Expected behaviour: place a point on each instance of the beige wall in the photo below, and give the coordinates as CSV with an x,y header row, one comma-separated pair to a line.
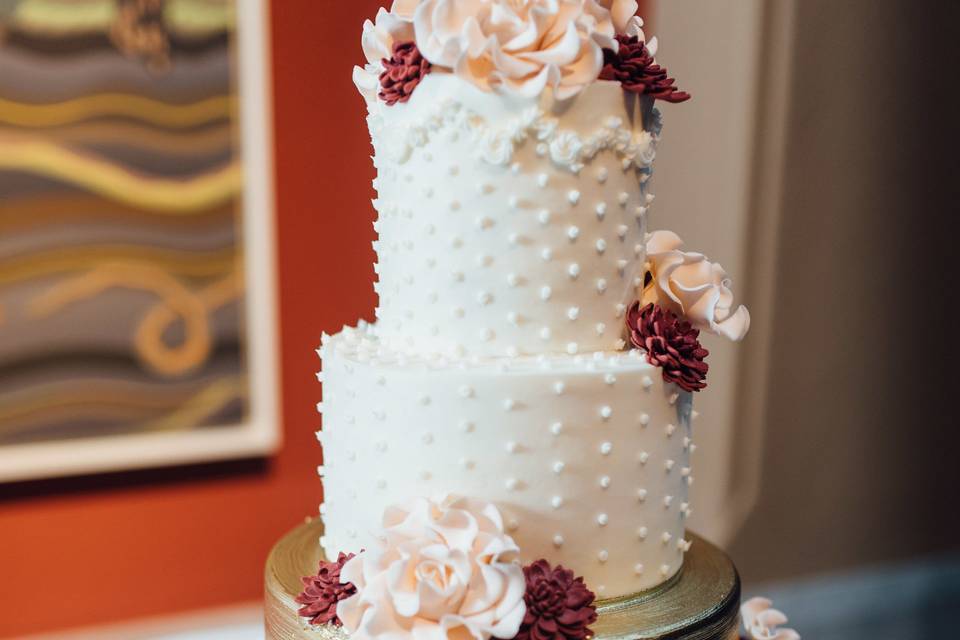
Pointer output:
x,y
860,459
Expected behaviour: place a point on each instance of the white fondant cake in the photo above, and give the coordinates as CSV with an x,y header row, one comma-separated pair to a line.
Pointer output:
x,y
586,456
495,397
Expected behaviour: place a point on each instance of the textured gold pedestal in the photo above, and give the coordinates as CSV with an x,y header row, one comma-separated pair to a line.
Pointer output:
x,y
703,603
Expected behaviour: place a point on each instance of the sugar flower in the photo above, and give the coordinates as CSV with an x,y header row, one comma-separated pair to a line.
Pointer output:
x,y
691,286
761,621
442,569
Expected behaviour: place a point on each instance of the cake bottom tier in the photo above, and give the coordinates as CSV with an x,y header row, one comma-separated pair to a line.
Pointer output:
x,y
702,603
587,457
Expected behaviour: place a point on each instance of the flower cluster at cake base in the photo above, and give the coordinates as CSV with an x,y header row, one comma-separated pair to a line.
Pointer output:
x,y
445,570
762,622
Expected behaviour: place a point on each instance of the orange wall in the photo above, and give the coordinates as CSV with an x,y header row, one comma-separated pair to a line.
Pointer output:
x,y
85,551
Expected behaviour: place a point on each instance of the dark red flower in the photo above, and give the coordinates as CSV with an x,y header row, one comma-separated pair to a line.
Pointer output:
x,y
559,606
323,591
670,343
402,72
634,68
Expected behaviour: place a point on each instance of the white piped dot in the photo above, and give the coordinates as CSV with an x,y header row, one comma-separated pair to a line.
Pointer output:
x,y
513,202
606,411
573,313
559,387
666,537
466,391
605,482
601,210
601,328
601,285
509,404
623,198
543,180
466,463
558,467
544,216
647,382
668,465
667,502
610,379
572,348
603,519
513,525
556,502
467,427
573,196
558,540
573,232
513,279
556,429
638,569
643,457
601,246
484,298
642,533
545,333
670,429
513,318
603,556
644,419
512,447
664,570
606,448
512,484
546,255
545,292
602,175
573,270
642,495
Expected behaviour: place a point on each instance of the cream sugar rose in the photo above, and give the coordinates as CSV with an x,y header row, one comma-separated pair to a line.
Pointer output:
x,y
512,208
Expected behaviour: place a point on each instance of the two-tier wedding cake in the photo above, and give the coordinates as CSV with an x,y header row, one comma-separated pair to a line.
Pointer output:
x,y
511,439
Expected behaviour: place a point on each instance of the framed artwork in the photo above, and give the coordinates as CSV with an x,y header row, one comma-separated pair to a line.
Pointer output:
x,y
137,276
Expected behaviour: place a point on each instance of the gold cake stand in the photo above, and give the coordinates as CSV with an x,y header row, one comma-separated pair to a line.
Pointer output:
x,y
701,603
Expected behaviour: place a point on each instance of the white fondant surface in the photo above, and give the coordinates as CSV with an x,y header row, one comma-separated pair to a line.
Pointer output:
x,y
509,226
587,456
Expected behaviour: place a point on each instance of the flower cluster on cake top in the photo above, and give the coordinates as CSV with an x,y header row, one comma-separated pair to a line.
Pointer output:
x,y
683,293
516,47
445,569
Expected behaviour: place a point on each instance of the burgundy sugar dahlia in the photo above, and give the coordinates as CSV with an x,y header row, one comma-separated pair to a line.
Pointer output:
x,y
402,73
323,591
670,343
559,606
635,69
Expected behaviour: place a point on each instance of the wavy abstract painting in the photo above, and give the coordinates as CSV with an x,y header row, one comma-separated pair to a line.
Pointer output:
x,y
122,288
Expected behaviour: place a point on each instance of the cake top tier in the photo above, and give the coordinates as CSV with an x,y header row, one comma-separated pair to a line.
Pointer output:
x,y
513,141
